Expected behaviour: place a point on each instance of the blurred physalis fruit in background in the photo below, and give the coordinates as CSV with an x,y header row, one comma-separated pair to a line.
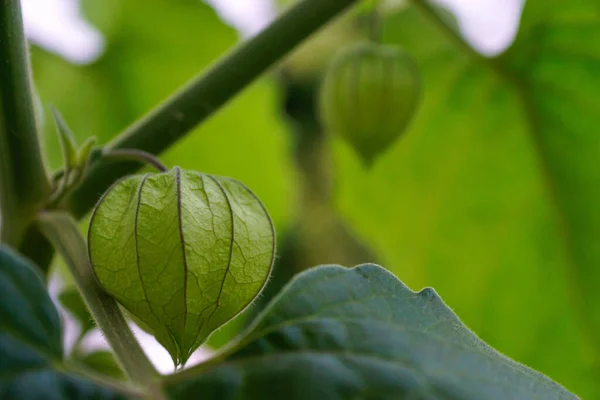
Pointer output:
x,y
369,95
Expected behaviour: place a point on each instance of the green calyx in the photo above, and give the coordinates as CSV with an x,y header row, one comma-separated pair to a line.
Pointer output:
x,y
182,251
369,96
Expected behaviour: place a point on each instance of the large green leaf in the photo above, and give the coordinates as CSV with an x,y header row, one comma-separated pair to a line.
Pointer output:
x,y
339,333
31,340
492,196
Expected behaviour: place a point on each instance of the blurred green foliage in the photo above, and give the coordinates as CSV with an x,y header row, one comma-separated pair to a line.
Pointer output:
x,y
490,197
153,47
31,344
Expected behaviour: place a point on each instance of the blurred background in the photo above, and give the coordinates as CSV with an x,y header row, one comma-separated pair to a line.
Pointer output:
x,y
458,203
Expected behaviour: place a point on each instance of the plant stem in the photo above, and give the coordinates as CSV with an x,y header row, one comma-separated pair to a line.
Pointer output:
x,y
135,155
24,184
204,95
62,231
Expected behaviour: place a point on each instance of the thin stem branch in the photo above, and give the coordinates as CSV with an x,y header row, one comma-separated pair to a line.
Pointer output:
x,y
135,155
24,184
62,231
204,95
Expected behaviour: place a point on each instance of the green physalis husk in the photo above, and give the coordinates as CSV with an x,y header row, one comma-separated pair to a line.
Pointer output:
x,y
182,251
369,96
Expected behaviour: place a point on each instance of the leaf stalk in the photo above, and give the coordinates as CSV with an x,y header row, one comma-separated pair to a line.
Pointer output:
x,y
135,155
62,231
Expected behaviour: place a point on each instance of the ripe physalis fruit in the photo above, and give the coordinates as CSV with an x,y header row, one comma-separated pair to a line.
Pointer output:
x,y
369,95
184,252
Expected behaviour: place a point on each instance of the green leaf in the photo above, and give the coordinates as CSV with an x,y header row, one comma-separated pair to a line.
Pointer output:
x,y
182,251
556,64
339,333
67,141
31,341
75,160
492,195
103,362
84,153
73,303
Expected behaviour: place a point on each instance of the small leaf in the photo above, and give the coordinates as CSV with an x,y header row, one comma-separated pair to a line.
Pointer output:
x,y
84,153
104,362
67,141
182,251
31,340
75,158
74,304
360,333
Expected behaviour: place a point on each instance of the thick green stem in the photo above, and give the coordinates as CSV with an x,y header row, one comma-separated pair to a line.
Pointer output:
x,y
62,231
204,95
24,184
